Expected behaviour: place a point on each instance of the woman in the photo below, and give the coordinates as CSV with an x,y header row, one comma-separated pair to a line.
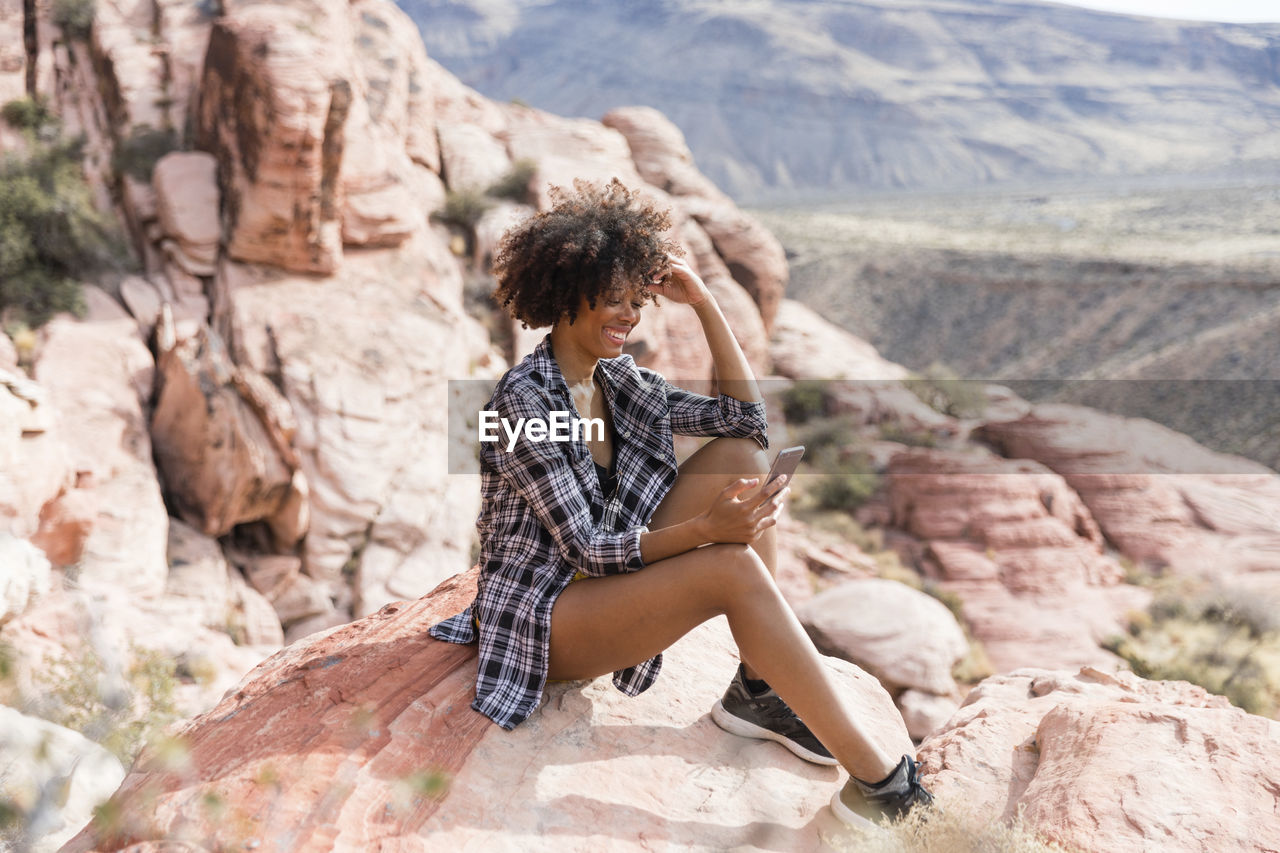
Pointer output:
x,y
655,548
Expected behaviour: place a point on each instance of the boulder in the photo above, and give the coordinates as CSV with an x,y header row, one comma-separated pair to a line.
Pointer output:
x,y
925,713
52,777
1111,762
470,157
372,744
35,466
222,435
186,186
902,636
278,162
362,388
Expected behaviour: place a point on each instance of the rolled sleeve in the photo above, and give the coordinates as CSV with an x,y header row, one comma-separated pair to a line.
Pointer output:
x,y
542,474
722,415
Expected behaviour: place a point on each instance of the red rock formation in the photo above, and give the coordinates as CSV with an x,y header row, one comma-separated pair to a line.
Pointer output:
x,y
363,738
1111,763
1021,550
1159,497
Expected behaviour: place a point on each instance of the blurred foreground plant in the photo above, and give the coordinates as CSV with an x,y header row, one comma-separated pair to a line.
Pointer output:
x,y
1224,638
122,714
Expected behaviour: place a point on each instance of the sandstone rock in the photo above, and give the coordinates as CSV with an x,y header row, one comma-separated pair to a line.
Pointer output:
x,y
470,157
220,459
117,626
903,637
186,186
143,300
377,712
566,150
25,578
1110,762
363,388
1160,498
754,257
98,375
34,463
278,162
660,153
925,713
1021,550
53,776
66,523
864,386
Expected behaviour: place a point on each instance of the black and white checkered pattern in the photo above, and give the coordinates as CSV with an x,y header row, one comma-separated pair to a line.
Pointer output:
x,y
544,518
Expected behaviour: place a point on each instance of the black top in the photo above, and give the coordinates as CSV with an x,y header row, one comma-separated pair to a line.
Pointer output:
x,y
608,482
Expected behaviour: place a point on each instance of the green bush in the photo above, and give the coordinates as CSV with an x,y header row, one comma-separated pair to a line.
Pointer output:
x,y
49,234
464,208
806,400
75,17
30,114
910,437
1225,639
138,154
943,391
514,185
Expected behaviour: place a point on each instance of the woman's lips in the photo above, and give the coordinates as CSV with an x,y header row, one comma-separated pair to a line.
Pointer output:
x,y
617,336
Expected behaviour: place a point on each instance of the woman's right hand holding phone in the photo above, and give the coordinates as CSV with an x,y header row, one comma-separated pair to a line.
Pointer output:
x,y
740,513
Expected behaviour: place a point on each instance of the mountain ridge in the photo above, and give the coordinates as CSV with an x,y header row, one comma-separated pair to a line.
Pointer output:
x,y
791,97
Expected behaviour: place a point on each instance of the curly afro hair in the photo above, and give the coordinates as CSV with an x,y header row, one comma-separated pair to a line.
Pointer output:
x,y
592,240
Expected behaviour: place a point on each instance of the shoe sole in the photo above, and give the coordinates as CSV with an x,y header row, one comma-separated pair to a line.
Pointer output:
x,y
739,726
849,817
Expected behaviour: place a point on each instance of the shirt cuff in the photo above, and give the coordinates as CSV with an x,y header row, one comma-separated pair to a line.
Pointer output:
x,y
631,546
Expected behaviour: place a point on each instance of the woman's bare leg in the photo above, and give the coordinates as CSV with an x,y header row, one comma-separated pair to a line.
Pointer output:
x,y
600,625
702,477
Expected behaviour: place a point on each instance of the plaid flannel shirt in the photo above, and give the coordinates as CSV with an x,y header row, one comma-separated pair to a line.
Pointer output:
x,y
544,517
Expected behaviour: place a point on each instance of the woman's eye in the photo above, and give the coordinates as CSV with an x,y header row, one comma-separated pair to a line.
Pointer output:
x,y
637,305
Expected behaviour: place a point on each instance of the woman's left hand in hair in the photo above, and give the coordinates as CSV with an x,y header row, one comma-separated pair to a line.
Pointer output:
x,y
681,284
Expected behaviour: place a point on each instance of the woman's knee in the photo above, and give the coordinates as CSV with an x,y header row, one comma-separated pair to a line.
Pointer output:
x,y
735,571
737,457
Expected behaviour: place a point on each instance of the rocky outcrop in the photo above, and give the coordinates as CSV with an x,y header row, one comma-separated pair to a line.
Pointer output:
x,y
364,737
25,578
1160,498
98,376
753,256
1111,762
223,436
1020,549
863,386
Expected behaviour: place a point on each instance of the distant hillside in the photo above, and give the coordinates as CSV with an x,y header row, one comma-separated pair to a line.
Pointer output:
x,y
779,96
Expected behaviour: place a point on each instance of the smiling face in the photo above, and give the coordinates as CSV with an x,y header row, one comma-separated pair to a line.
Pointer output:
x,y
602,331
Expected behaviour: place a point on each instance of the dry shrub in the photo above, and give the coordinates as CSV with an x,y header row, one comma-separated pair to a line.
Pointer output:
x,y
947,829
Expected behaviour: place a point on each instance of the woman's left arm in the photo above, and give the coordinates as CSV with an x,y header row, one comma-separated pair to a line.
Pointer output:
x,y
733,372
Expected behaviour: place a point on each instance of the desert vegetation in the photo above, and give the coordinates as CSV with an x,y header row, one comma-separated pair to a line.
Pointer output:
x,y
1223,636
50,233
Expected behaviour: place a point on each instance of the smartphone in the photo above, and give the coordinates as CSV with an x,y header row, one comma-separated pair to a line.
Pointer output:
x,y
785,463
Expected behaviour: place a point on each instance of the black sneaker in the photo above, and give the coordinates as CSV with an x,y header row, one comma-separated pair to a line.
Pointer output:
x,y
767,716
860,804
